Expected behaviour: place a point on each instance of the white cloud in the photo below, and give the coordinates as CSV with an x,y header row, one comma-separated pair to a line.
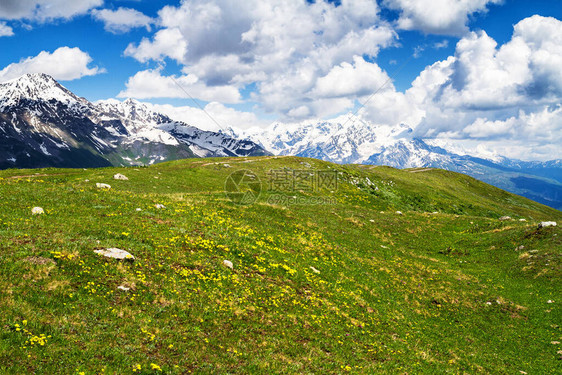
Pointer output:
x,y
489,94
166,43
44,10
63,64
359,78
487,81
447,17
152,84
221,114
529,135
283,48
5,30
122,20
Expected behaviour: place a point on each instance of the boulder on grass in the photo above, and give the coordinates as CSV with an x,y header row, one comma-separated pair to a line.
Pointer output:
x,y
115,253
37,211
103,186
545,224
121,177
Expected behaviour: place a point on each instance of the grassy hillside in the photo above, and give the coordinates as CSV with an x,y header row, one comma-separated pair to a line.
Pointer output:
x,y
325,280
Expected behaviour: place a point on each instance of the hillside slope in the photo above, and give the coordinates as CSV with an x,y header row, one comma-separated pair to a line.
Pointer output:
x,y
326,278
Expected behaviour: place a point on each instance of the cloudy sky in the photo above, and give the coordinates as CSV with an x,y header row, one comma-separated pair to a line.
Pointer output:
x,y
470,74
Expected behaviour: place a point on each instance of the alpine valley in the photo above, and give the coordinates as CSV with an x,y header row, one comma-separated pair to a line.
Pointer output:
x,y
42,124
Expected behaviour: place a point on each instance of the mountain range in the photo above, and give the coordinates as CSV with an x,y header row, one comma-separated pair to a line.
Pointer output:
x,y
348,139
42,124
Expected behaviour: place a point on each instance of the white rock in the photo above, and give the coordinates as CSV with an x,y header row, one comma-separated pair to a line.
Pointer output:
x,y
228,263
115,253
121,177
372,221
504,218
159,206
37,211
399,212
545,224
103,186
123,288
138,209
522,219
314,270
550,301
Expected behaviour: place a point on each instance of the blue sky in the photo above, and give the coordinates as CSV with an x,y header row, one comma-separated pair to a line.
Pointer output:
x,y
255,62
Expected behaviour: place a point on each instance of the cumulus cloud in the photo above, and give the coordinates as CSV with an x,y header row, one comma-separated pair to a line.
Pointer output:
x,y
63,64
282,48
44,10
357,78
122,20
492,94
152,84
487,81
446,17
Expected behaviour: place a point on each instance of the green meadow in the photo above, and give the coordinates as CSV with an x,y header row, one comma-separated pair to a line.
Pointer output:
x,y
326,279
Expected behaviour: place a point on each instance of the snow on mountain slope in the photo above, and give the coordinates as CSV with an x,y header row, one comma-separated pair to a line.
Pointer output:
x,y
348,139
43,124
38,87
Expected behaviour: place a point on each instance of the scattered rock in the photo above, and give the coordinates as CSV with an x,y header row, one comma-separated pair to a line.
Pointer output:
x,y
545,224
138,210
505,218
228,263
314,270
115,253
121,177
159,206
123,288
103,186
37,211
399,213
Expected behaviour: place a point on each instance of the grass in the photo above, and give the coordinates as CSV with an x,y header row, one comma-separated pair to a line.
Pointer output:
x,y
344,286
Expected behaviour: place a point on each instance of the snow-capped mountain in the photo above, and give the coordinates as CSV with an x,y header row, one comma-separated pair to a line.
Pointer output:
x,y
44,124
348,139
